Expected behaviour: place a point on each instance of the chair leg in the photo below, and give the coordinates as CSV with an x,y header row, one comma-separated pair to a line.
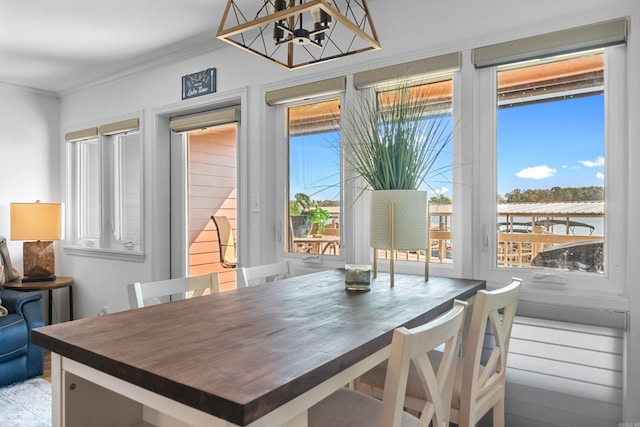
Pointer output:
x,y
498,413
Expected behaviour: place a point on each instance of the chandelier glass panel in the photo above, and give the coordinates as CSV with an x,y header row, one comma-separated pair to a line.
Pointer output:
x,y
298,33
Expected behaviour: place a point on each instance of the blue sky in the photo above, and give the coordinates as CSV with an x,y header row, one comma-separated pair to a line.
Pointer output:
x,y
318,175
551,144
539,146
315,169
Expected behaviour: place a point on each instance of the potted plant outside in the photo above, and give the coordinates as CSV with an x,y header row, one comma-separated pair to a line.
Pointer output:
x,y
319,216
305,212
298,213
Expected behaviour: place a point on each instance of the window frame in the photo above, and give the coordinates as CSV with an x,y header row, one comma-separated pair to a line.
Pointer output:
x,y
105,246
355,210
460,167
282,199
83,153
115,180
552,286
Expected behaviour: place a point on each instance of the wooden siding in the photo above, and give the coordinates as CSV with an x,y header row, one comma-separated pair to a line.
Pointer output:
x,y
212,191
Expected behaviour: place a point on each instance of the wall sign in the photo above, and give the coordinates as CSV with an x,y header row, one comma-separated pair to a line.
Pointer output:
x,y
198,84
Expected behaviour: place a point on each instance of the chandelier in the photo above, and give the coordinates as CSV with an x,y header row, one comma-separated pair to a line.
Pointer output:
x,y
298,33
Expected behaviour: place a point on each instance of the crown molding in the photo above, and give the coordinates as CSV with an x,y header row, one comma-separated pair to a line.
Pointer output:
x,y
177,52
12,87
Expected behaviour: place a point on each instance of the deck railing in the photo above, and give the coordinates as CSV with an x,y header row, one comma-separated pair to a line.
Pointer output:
x,y
519,249
514,249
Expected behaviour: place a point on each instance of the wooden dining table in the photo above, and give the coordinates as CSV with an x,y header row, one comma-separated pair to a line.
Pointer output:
x,y
257,356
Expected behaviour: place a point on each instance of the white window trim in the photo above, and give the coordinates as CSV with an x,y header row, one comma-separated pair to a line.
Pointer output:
x,y
105,248
461,160
308,261
105,253
355,213
581,289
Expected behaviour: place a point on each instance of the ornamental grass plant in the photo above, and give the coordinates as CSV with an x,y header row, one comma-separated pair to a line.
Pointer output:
x,y
394,139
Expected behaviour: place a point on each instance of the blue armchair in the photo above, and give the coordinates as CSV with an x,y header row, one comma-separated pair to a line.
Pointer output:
x,y
19,358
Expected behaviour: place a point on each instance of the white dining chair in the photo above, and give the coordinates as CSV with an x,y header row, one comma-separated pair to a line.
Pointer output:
x,y
480,380
261,274
409,347
151,293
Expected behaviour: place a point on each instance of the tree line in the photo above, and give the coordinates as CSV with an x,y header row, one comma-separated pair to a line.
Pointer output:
x,y
554,194
546,195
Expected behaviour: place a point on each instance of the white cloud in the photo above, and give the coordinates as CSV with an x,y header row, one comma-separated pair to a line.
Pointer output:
x,y
441,191
536,172
588,163
600,176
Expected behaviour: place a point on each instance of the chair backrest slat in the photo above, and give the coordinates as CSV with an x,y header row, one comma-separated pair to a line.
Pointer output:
x,y
412,346
151,293
266,273
498,309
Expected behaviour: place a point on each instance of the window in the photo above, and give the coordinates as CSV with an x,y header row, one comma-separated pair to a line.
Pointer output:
x,y
551,177
105,191
88,167
125,177
545,169
551,158
551,182
437,98
309,217
434,85
314,192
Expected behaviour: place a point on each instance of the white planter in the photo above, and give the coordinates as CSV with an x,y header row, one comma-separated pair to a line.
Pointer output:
x,y
410,219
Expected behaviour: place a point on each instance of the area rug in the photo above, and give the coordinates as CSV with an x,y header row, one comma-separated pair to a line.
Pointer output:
x,y
26,404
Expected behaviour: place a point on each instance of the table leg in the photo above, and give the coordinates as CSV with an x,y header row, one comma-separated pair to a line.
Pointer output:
x,y
57,390
70,302
50,306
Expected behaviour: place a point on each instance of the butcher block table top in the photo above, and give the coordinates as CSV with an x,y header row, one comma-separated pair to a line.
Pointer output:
x,y
238,355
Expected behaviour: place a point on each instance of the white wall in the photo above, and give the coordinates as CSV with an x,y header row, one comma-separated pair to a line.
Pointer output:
x,y
408,30
29,154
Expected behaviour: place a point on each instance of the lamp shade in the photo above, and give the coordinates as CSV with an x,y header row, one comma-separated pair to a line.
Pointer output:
x,y
36,221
